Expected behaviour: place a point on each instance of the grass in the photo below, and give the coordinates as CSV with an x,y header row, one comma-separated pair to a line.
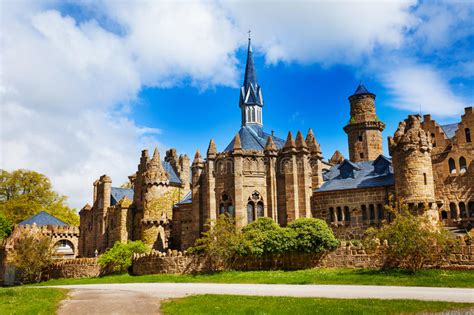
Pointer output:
x,y
424,278
236,304
24,300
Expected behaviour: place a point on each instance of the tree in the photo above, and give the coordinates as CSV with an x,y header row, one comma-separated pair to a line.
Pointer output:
x,y
118,258
5,227
221,243
412,241
24,193
32,253
264,236
312,235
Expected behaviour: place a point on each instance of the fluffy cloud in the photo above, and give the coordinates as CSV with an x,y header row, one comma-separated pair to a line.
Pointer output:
x,y
66,82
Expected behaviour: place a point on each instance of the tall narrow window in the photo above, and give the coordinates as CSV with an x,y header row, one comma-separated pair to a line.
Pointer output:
x,y
360,136
453,210
372,212
467,131
364,212
462,210
347,215
433,140
380,213
471,209
425,180
452,166
221,209
339,214
331,215
250,212
260,211
462,165
253,114
247,110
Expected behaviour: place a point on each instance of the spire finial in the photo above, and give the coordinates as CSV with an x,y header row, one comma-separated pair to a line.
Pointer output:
x,y
249,33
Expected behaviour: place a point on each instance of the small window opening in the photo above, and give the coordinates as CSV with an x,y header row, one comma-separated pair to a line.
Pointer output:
x,y
467,131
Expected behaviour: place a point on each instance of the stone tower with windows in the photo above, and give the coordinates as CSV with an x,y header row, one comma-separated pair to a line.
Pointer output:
x,y
410,149
364,130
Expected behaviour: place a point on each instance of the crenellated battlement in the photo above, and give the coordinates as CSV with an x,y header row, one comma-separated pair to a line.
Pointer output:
x,y
410,136
56,230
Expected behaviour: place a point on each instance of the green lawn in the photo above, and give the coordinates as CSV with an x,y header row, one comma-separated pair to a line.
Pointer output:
x,y
425,278
23,300
235,304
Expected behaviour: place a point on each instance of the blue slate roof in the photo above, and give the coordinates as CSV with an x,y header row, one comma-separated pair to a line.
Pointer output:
x,y
250,73
173,177
354,175
118,193
43,218
361,89
450,130
186,199
252,137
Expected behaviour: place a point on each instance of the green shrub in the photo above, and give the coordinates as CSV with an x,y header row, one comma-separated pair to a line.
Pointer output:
x,y
264,236
413,241
312,235
5,227
118,258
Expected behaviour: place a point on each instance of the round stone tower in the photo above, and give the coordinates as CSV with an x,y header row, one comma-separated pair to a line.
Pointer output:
x,y
410,149
364,130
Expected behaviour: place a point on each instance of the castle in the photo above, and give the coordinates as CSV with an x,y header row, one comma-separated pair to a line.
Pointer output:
x,y
261,175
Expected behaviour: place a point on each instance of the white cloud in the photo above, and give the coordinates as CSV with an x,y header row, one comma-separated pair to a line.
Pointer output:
x,y
420,87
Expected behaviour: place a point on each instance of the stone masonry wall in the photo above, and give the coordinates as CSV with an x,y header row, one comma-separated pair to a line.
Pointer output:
x,y
73,268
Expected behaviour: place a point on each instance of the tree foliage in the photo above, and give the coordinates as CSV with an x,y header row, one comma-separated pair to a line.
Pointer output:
x,y
312,235
32,253
118,258
264,236
5,227
412,241
24,193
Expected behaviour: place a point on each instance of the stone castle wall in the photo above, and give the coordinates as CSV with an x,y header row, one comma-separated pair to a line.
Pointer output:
x,y
73,268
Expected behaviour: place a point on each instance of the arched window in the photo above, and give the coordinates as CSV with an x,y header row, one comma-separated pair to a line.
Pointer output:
x,y
453,211
347,215
221,208
250,212
380,213
260,212
462,210
364,212
64,248
452,166
471,209
226,205
331,215
444,215
253,114
339,214
467,131
372,212
462,165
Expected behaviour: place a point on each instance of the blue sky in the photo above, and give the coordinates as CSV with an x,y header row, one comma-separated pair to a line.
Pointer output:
x,y
86,85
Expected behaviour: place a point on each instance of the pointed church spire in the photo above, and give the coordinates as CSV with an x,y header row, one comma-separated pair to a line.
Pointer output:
x,y
270,146
250,73
156,155
290,142
212,150
300,143
237,143
313,145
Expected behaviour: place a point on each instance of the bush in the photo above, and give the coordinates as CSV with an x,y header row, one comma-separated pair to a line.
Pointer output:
x,y
118,258
413,241
312,235
5,227
32,253
221,243
264,236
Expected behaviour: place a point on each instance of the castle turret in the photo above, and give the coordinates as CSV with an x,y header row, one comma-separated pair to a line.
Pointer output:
x,y
364,130
316,160
410,149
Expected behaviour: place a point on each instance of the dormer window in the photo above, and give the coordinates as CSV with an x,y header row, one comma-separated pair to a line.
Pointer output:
x,y
382,165
348,169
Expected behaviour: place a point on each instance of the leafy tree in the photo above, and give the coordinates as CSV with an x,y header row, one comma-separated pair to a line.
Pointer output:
x,y
24,193
412,241
118,258
312,235
221,243
264,236
31,254
5,227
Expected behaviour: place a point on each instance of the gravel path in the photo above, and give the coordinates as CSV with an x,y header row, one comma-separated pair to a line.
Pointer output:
x,y
143,298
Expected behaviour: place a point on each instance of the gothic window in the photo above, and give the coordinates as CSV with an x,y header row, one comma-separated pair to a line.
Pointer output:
x,y
380,212
250,212
226,205
372,212
467,131
364,212
339,214
471,209
347,215
221,208
452,166
462,165
462,210
260,212
453,211
331,215
444,215
253,114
